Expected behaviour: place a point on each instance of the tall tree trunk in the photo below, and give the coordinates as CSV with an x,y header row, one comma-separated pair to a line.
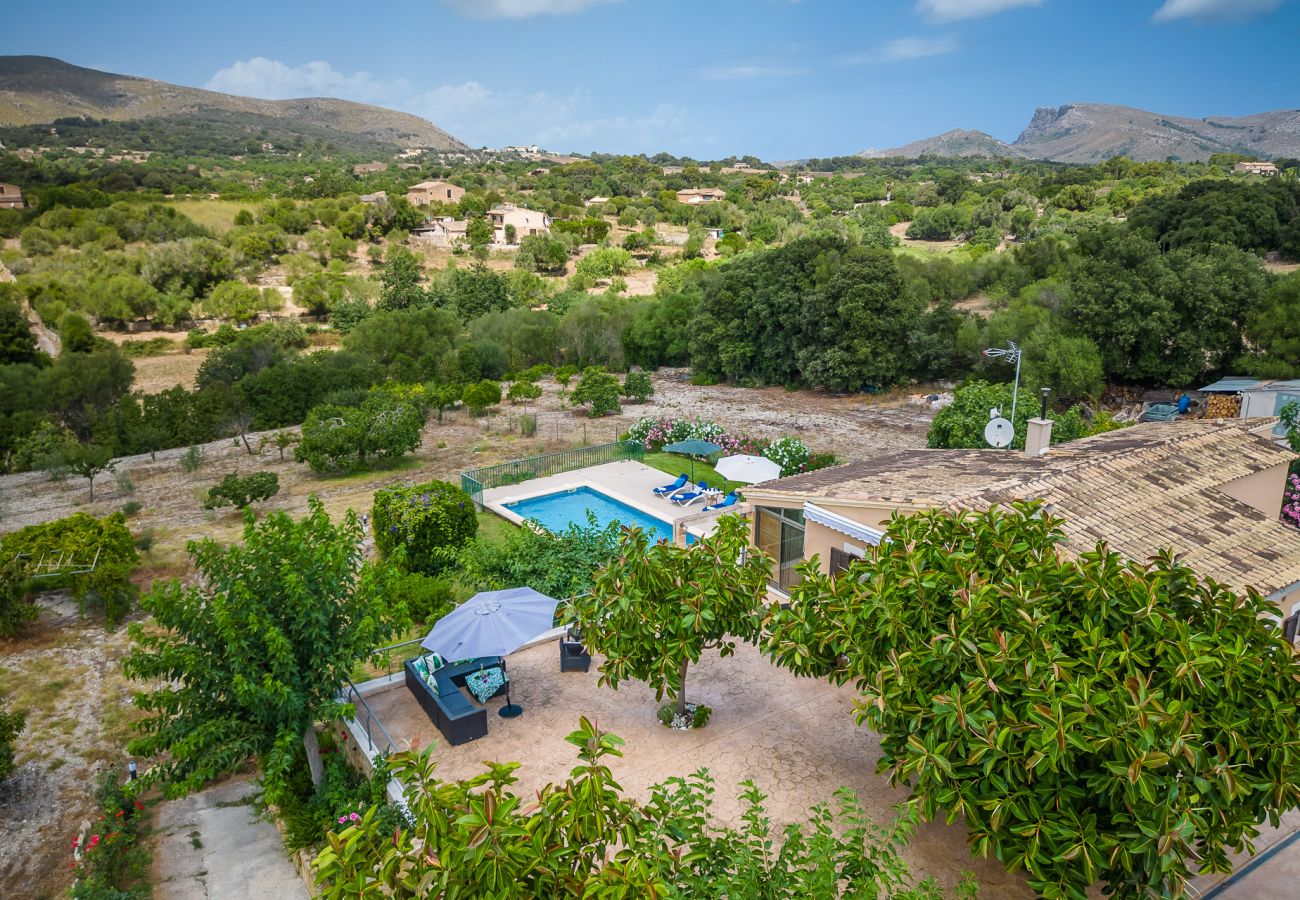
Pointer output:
x,y
681,689
313,754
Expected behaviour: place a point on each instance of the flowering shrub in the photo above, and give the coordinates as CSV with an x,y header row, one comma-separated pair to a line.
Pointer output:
x,y
108,860
1291,501
790,453
428,519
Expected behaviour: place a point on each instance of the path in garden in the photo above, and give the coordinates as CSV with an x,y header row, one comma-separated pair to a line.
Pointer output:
x,y
212,846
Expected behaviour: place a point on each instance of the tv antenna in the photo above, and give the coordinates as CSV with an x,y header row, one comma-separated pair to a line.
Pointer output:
x,y
1010,353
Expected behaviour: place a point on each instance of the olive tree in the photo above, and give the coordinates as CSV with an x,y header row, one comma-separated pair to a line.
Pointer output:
x,y
1089,718
656,607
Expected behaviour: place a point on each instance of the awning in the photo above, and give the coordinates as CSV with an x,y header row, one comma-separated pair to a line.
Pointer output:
x,y
842,524
1230,385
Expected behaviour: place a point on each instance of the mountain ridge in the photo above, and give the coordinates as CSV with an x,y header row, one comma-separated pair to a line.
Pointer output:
x,y
36,90
1092,132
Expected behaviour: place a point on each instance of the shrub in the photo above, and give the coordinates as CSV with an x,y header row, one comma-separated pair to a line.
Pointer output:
x,y
144,540
79,539
240,492
427,599
131,507
564,374
11,725
346,438
113,863
125,484
429,520
523,391
192,458
559,565
599,390
528,425
480,396
637,386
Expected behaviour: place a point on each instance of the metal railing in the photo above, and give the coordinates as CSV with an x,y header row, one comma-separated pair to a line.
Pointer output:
x,y
476,481
369,722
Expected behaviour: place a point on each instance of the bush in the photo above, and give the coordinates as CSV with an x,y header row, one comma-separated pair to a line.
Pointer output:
x,y
240,492
131,507
78,539
480,396
559,565
347,438
114,863
599,390
427,599
429,520
564,374
11,725
192,459
523,391
637,386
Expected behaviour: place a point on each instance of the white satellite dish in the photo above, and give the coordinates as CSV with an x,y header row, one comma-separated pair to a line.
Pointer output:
x,y
999,433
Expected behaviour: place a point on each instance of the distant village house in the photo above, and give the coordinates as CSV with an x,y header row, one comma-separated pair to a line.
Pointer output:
x,y
375,198
443,231
695,196
1267,169
11,196
427,192
525,221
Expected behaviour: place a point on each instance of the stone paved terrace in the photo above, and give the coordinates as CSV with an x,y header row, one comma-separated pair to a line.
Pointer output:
x,y
795,737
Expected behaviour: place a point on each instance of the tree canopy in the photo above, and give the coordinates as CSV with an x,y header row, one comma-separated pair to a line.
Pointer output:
x,y
1089,718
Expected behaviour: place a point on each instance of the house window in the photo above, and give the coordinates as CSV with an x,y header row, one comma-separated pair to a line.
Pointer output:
x,y
780,534
842,559
1290,625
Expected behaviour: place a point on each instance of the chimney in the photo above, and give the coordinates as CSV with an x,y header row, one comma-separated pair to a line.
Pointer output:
x,y
1038,438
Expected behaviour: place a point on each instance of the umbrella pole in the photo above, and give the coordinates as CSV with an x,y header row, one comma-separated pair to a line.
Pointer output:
x,y
510,710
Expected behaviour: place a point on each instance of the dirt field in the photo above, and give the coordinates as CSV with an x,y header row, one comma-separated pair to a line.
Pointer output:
x,y
154,374
65,671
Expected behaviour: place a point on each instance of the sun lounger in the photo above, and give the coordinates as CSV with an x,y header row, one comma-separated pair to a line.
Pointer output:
x,y
690,497
670,489
729,500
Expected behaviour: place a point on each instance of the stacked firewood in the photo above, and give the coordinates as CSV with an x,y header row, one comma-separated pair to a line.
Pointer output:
x,y
1223,406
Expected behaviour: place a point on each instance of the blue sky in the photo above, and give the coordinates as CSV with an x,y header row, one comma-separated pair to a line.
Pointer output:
x,y
776,78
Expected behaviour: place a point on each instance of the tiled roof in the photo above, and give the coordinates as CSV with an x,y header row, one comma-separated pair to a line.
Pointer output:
x,y
1139,489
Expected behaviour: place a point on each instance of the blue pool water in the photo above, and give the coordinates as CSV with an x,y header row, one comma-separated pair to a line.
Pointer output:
x,y
555,512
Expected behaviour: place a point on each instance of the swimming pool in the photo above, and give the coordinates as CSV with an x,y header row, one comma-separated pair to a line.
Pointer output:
x,y
556,512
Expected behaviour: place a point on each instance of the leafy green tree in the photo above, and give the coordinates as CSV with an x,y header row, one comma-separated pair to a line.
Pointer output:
x,y
348,437
481,396
17,603
584,838
83,460
17,343
1271,329
523,391
638,387
559,565
480,234
254,654
428,522
542,253
655,608
239,492
75,333
234,300
400,280
11,725
1088,718
478,290
962,423
599,390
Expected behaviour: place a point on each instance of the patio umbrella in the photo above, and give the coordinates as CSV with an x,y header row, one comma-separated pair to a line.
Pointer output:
x,y
693,448
493,623
749,469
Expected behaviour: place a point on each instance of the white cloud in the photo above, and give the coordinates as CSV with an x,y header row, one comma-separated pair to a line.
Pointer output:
x,y
1173,10
271,79
519,9
951,10
901,49
748,70
471,111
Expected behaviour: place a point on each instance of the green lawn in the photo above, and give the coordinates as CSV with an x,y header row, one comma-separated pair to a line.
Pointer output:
x,y
674,465
492,528
217,215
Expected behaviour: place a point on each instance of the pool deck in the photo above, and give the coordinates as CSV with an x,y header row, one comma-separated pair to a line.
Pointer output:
x,y
628,482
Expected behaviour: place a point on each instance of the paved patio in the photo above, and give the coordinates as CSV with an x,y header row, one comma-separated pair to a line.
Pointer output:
x,y
795,737
630,482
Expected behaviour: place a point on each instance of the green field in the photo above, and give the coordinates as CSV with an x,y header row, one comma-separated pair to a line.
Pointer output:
x,y
215,215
